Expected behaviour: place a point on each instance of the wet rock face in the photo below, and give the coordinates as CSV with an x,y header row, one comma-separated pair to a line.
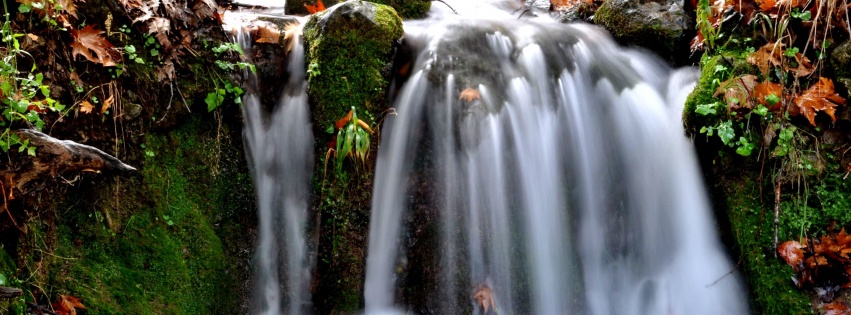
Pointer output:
x,y
840,59
661,26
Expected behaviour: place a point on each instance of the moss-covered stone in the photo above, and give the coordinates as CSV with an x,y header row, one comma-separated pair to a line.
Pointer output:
x,y
349,49
165,241
660,26
408,9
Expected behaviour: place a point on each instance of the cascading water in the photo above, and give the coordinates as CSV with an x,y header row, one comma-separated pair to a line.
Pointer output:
x,y
279,148
566,184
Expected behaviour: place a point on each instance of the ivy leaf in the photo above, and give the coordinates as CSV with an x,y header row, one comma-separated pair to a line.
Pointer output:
x,y
819,97
767,94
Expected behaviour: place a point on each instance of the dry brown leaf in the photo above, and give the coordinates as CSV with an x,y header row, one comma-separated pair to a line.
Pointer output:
x,y
804,67
33,37
86,107
767,56
764,89
269,34
140,10
67,305
484,296
90,40
469,94
292,32
343,121
107,104
766,5
69,7
819,97
737,91
792,253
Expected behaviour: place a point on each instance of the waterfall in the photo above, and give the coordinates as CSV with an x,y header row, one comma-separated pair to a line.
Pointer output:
x,y
279,146
565,184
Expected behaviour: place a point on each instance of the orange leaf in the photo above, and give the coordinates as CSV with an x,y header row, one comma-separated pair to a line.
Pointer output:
x,y
363,125
791,252
89,40
836,308
67,305
319,7
268,34
484,296
766,5
86,107
764,89
343,121
106,104
819,97
469,94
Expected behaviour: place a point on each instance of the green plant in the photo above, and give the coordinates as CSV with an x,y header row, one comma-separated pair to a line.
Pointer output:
x,y
217,97
132,54
352,140
24,96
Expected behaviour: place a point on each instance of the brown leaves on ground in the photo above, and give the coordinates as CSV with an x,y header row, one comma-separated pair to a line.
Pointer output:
x,y
565,5
469,94
819,97
318,7
763,91
769,55
484,297
67,305
86,107
90,43
823,263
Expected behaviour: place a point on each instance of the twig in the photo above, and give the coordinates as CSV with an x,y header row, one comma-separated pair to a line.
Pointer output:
x,y
40,308
727,274
776,214
6,206
450,7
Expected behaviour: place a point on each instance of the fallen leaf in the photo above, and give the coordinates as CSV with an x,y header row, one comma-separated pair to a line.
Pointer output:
x,y
269,34
343,121
484,296
318,7
292,33
766,5
33,37
836,308
90,40
767,56
67,305
69,7
469,94
804,67
737,91
86,107
819,97
792,253
107,104
767,89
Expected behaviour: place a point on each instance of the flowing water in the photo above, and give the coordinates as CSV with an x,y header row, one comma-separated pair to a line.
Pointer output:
x,y
555,164
279,146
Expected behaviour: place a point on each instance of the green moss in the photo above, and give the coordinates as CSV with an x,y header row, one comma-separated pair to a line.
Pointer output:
x,y
631,27
150,244
408,9
346,62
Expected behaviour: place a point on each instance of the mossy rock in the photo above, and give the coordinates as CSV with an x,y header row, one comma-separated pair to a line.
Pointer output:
x,y
408,9
840,59
350,46
661,27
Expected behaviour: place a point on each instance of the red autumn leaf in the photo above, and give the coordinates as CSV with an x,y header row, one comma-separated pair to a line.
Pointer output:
x,y
343,121
767,56
819,97
90,40
766,5
737,91
766,89
318,7
836,308
792,253
67,305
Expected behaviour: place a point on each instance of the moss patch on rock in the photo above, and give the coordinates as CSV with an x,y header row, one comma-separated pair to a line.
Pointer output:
x,y
408,9
164,241
663,28
349,49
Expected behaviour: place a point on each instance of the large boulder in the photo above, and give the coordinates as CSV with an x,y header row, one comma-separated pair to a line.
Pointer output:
x,y
661,26
408,9
349,49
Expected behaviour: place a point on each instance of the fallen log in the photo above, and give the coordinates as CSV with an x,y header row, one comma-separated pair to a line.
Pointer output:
x,y
55,157
8,293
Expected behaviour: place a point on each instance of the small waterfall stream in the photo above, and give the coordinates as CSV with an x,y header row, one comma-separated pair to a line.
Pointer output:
x,y
561,177
566,183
